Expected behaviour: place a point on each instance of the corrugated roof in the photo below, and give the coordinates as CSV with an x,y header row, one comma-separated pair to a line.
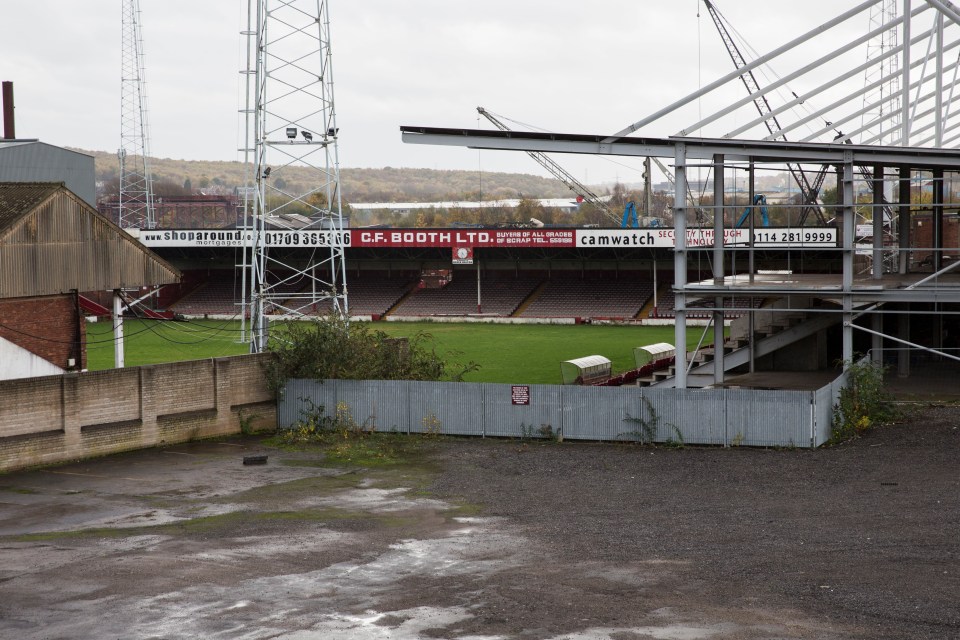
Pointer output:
x,y
17,199
52,241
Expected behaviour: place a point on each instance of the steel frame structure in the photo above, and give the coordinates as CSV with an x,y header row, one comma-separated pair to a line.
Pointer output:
x,y
856,296
927,31
917,42
135,206
293,173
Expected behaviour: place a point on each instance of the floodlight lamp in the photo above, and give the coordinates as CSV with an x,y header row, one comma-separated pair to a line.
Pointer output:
x,y
291,132
307,136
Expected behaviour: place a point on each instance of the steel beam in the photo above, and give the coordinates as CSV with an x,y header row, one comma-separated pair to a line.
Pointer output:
x,y
696,148
753,65
789,77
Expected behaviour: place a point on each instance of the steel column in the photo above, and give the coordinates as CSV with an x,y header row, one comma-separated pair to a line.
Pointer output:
x,y
903,222
903,354
848,208
937,220
876,344
680,263
718,267
876,211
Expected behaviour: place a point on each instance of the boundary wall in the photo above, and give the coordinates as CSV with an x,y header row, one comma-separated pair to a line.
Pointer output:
x,y
727,417
72,416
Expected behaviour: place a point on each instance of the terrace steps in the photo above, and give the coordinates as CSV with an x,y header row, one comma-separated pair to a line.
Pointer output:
x,y
529,299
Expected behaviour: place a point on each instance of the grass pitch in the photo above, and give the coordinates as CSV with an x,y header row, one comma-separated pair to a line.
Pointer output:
x,y
520,353
156,341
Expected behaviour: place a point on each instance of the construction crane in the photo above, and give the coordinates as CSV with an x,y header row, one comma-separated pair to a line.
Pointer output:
x,y
559,172
582,190
701,216
809,192
759,201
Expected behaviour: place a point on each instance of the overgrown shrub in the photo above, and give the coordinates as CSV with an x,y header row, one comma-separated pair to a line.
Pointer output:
x,y
333,348
863,402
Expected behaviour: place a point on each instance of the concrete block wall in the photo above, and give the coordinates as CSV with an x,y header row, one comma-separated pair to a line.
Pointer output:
x,y
79,415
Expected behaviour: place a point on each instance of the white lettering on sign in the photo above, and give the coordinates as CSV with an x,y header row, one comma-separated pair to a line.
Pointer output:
x,y
520,394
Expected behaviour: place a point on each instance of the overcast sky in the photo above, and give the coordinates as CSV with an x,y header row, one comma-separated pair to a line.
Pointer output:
x,y
562,65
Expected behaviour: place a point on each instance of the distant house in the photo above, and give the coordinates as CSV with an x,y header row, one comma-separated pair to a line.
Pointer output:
x,y
53,246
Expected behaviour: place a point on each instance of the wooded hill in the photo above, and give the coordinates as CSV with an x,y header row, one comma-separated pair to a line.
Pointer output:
x,y
176,177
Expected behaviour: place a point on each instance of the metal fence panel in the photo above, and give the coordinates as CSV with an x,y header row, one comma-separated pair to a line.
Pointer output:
x,y
454,408
775,418
540,418
702,417
827,398
661,404
713,416
622,418
596,413
297,397
382,405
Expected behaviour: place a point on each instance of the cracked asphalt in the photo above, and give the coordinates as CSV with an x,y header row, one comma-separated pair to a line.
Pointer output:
x,y
493,539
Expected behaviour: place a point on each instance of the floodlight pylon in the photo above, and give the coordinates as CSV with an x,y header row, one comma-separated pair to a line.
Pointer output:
x,y
882,77
135,206
293,168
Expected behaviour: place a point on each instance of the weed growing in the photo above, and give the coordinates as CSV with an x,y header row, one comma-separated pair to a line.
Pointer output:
x,y
645,428
863,402
543,432
345,441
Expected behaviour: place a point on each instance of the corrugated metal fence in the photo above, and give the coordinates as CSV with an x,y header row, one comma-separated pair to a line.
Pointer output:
x,y
693,416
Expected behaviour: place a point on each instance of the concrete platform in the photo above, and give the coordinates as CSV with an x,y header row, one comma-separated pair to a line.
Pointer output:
x,y
866,288
795,380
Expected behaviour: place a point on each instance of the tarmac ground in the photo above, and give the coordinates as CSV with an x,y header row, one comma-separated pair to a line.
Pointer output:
x,y
493,539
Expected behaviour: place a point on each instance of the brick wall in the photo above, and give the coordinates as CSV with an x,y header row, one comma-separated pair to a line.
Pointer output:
x,y
921,234
48,326
78,415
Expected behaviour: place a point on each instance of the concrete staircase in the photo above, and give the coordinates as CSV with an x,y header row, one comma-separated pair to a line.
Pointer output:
x,y
773,330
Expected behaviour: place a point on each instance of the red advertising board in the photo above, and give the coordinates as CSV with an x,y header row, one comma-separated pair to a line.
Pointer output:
x,y
469,239
463,238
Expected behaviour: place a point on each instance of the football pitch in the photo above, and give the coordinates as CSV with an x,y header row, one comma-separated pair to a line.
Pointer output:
x,y
521,353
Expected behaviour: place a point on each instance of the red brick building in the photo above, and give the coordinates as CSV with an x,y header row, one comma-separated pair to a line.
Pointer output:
x,y
54,245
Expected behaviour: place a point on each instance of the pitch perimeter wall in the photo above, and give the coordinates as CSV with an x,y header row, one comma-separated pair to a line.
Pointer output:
x,y
727,417
54,419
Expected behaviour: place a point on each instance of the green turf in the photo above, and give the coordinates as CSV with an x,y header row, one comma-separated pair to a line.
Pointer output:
x,y
521,353
531,354
154,341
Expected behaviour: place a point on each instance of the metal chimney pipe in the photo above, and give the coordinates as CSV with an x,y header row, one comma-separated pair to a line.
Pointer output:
x,y
8,132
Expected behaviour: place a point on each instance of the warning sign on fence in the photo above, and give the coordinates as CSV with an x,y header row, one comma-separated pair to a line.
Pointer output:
x,y
520,394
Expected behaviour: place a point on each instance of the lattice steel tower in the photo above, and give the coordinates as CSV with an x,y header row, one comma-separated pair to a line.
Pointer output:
x,y
293,179
883,98
135,208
